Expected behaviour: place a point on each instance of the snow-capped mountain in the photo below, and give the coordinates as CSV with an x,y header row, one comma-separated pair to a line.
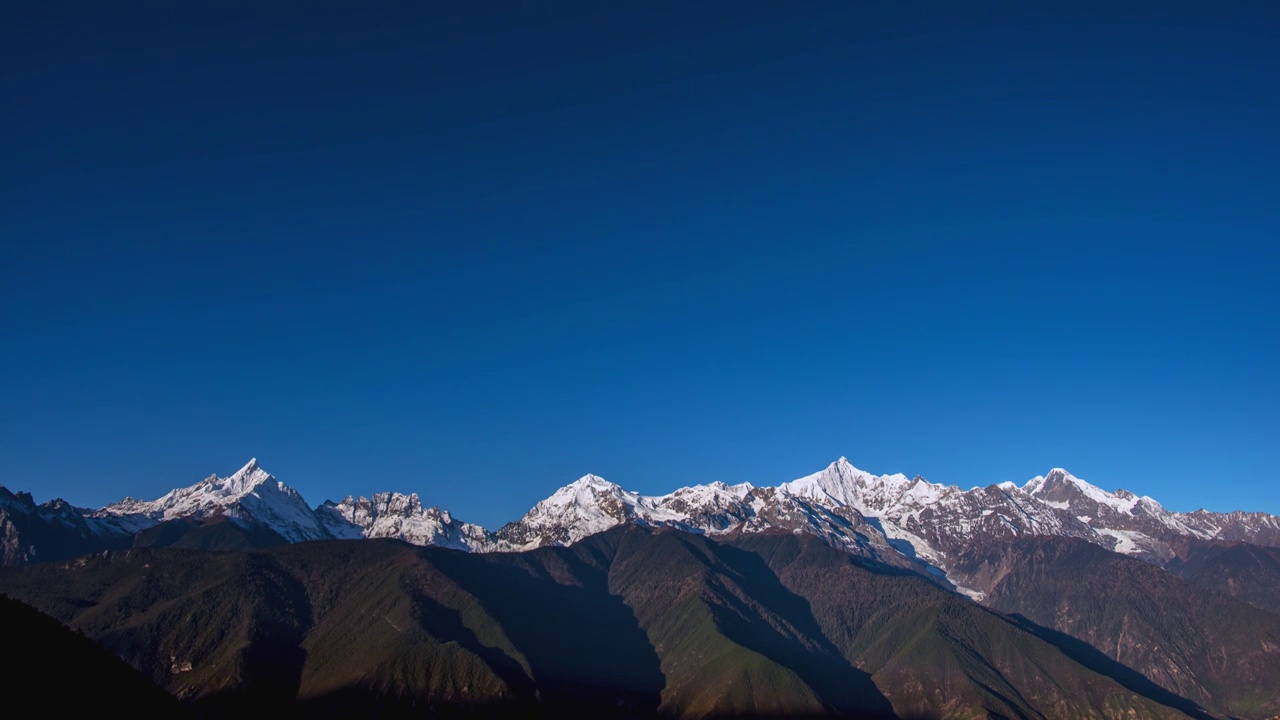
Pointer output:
x,y
250,496
584,507
909,523
1238,526
393,515
592,504
890,518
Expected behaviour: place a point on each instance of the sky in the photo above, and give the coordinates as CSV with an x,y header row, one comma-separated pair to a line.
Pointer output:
x,y
477,250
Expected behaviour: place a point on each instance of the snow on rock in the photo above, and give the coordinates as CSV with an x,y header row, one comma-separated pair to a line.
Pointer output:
x,y
251,495
394,515
587,506
891,519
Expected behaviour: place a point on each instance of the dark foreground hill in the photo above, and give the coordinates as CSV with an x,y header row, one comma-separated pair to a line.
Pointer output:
x,y
46,665
628,623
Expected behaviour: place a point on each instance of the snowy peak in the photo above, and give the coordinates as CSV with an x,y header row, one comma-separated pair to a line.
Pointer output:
x,y
837,483
244,480
1062,489
584,488
250,496
842,484
205,496
584,507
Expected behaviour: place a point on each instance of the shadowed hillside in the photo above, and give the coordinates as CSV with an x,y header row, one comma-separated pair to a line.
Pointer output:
x,y
1250,573
1189,640
44,660
628,623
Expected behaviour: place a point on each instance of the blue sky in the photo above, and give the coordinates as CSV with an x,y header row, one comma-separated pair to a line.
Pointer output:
x,y
477,254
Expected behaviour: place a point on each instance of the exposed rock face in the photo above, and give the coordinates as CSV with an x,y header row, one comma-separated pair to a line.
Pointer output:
x,y
393,515
55,530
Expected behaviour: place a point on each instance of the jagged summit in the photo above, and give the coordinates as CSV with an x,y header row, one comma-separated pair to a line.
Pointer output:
x,y
914,518
401,516
242,481
843,484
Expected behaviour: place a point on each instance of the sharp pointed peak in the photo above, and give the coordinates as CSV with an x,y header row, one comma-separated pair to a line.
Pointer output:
x,y
243,480
843,462
1060,475
1056,476
249,469
841,466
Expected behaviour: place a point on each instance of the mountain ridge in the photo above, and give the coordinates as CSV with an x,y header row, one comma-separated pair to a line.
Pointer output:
x,y
890,519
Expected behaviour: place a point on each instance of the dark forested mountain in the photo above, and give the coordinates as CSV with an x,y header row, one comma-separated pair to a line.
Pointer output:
x,y
1194,641
632,622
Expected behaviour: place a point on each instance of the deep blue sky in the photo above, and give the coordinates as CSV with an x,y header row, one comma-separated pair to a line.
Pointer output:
x,y
476,253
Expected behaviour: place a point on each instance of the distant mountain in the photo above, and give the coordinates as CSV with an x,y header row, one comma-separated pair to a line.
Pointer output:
x,y
55,530
393,515
593,504
628,623
890,519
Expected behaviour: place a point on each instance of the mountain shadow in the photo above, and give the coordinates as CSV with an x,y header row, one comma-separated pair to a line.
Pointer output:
x,y
1097,661
1249,573
585,651
630,623
1217,652
931,651
779,624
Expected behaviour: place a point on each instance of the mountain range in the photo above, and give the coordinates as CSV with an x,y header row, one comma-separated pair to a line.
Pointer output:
x,y
890,519
839,593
